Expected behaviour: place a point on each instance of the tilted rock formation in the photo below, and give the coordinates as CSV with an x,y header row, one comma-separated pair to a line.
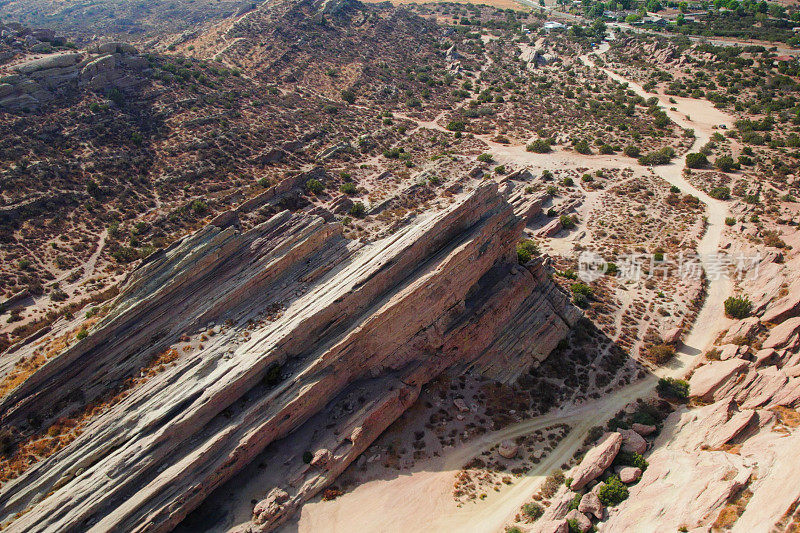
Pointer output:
x,y
33,83
319,344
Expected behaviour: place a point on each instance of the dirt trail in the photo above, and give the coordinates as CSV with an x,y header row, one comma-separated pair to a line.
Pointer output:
x,y
421,500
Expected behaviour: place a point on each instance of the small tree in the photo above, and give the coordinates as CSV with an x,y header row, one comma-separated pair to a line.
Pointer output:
x,y
696,160
526,249
738,307
314,186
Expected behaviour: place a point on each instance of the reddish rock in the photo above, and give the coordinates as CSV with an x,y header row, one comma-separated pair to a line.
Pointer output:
x,y
590,504
633,442
643,429
508,449
672,336
781,334
596,460
630,474
553,526
584,524
711,376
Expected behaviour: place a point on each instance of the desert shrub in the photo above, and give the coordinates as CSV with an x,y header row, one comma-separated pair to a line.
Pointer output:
x,y
552,483
730,221
314,186
738,307
660,353
632,151
500,169
658,157
606,149
726,163
613,492
580,300
526,249
82,334
348,188
624,458
358,210
552,190
539,146
573,526
696,160
676,389
582,147
456,125
567,182
771,238
349,96
533,510
567,222
485,158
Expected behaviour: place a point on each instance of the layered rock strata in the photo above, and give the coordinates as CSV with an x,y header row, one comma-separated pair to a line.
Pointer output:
x,y
319,344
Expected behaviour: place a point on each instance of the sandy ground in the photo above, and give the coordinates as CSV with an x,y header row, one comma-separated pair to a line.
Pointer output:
x,y
421,499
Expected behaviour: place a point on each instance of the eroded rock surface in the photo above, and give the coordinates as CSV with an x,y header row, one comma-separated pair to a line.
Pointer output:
x,y
360,329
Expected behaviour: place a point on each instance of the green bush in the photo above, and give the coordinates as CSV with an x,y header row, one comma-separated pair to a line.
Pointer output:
x,y
82,334
526,249
677,389
658,157
726,163
456,125
314,186
567,222
582,147
613,492
696,160
624,458
358,210
632,151
348,188
533,510
730,221
539,146
720,193
738,307
582,288
485,158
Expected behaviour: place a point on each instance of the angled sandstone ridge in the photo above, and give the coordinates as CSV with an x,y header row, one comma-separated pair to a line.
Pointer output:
x,y
319,344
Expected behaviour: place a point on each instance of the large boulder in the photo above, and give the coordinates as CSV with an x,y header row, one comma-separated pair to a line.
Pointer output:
x,y
633,442
48,62
781,334
710,377
553,526
630,474
596,460
508,449
584,524
590,504
643,429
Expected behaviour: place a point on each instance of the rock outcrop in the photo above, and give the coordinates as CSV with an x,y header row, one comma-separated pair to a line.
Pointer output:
x,y
35,82
318,344
596,460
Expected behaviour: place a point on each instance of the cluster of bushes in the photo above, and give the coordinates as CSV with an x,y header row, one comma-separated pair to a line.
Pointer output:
x,y
658,157
539,146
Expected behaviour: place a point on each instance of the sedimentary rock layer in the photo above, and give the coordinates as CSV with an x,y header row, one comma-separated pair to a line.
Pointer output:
x,y
304,321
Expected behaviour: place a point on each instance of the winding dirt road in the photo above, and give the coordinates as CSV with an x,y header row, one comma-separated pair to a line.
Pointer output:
x,y
421,500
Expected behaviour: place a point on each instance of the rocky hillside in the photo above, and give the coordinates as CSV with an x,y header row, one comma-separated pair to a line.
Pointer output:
x,y
283,351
